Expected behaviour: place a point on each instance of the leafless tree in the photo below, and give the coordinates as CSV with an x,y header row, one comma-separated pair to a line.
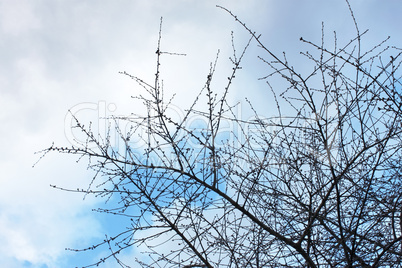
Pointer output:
x,y
318,185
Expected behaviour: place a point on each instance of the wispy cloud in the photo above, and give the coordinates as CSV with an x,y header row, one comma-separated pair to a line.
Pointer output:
x,y
57,54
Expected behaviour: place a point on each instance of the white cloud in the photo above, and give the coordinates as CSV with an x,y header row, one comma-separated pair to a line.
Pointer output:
x,y
18,17
57,54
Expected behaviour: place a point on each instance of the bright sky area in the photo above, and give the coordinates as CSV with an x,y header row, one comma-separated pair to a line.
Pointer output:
x,y
61,55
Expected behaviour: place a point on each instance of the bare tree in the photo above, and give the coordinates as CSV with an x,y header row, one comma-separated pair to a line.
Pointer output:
x,y
318,185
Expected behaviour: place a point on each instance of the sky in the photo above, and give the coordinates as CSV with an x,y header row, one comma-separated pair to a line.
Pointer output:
x,y
59,55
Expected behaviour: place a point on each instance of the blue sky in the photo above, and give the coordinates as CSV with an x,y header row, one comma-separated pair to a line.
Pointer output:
x,y
61,55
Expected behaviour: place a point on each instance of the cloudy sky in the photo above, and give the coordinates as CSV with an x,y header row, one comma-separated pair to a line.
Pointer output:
x,y
57,55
